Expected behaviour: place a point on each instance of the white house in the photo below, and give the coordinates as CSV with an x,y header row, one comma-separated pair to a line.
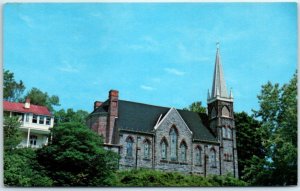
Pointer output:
x,y
36,122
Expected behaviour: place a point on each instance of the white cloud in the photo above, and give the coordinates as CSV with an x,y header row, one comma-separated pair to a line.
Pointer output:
x,y
174,71
28,21
148,88
68,68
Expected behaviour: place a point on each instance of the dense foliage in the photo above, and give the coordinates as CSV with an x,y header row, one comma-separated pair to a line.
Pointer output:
x,y
75,157
70,115
196,107
22,169
12,134
248,140
278,115
12,90
38,97
145,177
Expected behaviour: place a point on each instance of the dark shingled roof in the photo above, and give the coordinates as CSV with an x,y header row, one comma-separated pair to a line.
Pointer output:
x,y
143,117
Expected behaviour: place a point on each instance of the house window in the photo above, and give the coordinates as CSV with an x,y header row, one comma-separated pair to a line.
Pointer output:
x,y
41,121
34,119
173,136
26,117
48,119
33,139
163,150
213,160
183,151
129,147
198,156
147,149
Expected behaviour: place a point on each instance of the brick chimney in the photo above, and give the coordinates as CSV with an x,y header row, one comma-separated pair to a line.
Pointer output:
x,y
27,103
97,104
113,98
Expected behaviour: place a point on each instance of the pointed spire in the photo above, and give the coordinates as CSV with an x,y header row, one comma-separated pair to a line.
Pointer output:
x,y
219,86
208,95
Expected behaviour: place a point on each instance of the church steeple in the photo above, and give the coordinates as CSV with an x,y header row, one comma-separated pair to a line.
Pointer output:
x,y
221,119
219,89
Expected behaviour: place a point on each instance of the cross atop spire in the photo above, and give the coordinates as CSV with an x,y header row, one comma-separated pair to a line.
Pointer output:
x,y
218,45
219,86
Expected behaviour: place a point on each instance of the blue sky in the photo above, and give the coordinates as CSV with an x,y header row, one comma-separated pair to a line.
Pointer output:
x,y
161,54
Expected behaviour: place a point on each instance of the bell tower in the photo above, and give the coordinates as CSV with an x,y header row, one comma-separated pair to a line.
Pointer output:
x,y
221,119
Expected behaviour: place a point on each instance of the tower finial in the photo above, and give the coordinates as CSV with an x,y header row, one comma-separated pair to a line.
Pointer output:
x,y
218,44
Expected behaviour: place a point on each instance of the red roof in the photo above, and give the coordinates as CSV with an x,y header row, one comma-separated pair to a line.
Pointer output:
x,y
19,107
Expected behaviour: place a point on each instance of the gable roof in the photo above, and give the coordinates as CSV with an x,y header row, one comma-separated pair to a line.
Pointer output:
x,y
19,107
143,117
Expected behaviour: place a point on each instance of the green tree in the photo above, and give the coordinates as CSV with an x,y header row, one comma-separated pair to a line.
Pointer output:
x,y
249,141
196,107
22,169
12,90
75,157
12,134
38,97
70,115
278,114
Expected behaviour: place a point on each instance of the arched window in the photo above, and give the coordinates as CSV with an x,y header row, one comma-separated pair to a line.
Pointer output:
x,y
183,149
129,144
213,158
225,111
224,129
198,152
173,145
147,149
229,133
213,113
163,146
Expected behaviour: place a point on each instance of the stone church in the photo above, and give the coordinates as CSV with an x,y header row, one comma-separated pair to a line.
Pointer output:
x,y
170,139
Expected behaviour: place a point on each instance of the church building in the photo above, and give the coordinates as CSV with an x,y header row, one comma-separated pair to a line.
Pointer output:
x,y
170,139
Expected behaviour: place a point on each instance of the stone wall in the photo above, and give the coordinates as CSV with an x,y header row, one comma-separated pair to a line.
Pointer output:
x,y
138,159
173,120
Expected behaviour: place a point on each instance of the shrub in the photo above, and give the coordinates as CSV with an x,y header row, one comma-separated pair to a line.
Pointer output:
x,y
146,177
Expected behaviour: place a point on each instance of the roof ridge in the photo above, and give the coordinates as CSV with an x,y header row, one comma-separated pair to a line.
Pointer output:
x,y
24,103
146,104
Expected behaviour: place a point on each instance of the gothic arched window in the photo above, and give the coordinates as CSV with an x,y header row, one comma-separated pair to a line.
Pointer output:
x,y
173,145
225,111
229,133
213,113
129,144
213,158
198,152
183,149
163,146
224,129
147,149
